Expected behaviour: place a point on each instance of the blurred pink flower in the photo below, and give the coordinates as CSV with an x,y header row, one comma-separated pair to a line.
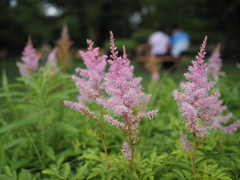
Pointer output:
x,y
155,75
30,60
232,127
52,60
218,119
195,103
52,57
215,64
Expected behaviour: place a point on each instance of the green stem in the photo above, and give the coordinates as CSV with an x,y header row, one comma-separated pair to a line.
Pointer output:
x,y
36,149
220,141
102,134
131,147
194,155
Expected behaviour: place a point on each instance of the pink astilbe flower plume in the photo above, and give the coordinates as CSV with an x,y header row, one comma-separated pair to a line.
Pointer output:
x,y
215,64
197,100
127,151
52,61
30,60
186,144
219,119
52,57
126,98
90,80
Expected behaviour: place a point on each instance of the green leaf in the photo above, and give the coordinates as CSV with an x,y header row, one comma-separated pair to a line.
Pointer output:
x,y
93,174
15,142
92,157
66,126
153,157
178,172
25,175
81,171
171,175
197,175
5,177
65,170
50,172
50,152
14,125
60,161
177,152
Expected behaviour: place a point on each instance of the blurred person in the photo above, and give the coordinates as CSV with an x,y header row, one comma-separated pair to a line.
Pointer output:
x,y
159,43
180,42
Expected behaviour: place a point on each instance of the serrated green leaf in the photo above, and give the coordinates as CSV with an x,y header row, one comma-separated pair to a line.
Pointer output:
x,y
185,166
81,171
171,175
153,157
178,172
177,152
92,157
93,174
186,173
50,172
197,175
216,172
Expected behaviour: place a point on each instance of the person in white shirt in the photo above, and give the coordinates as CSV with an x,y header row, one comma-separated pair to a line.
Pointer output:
x,y
159,43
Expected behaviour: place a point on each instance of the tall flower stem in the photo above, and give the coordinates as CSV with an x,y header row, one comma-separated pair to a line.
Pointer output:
x,y
193,159
132,147
220,141
102,134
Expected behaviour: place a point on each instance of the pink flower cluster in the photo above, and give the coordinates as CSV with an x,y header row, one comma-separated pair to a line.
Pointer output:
x,y
186,144
90,80
196,101
218,119
30,60
215,64
126,98
127,151
232,127
52,59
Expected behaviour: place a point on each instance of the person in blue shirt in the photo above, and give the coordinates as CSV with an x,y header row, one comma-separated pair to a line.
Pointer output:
x,y
180,42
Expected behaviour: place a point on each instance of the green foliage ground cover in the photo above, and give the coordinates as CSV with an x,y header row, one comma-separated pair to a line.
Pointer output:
x,y
42,139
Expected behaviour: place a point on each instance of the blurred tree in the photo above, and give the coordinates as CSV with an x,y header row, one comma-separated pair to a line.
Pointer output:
x,y
88,19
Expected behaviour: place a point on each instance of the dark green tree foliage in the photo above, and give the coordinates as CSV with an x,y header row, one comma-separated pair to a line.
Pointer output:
x,y
94,19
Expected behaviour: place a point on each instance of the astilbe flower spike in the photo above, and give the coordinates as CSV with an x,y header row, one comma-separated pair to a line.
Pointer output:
x,y
186,144
90,80
195,103
52,61
127,151
219,119
30,60
126,98
215,64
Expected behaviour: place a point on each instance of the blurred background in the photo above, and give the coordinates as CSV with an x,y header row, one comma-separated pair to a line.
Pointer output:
x,y
131,22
